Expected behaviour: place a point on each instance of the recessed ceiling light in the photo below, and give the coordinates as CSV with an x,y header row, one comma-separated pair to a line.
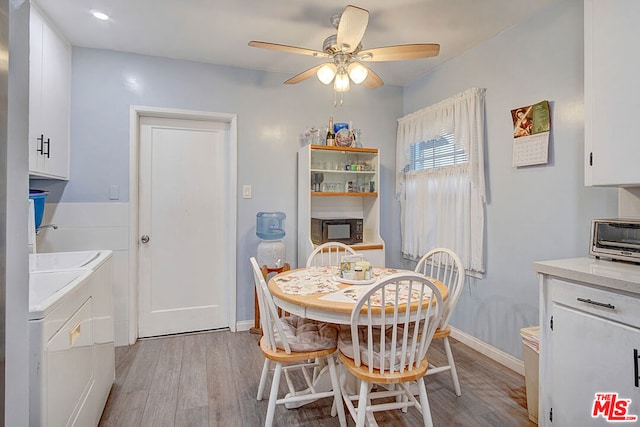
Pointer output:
x,y
100,15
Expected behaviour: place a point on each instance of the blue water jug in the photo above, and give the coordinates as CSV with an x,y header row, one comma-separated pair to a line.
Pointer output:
x,y
270,225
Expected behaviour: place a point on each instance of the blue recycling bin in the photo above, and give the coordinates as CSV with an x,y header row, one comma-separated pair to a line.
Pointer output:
x,y
38,198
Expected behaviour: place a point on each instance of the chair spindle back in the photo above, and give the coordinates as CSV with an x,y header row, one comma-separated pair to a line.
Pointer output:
x,y
398,336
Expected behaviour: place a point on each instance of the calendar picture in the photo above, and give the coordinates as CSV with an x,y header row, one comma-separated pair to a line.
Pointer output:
x,y
522,123
531,128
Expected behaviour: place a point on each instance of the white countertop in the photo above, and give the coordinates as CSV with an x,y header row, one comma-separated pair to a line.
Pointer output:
x,y
614,275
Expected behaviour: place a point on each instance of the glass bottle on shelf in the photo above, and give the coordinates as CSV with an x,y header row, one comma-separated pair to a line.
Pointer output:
x,y
331,135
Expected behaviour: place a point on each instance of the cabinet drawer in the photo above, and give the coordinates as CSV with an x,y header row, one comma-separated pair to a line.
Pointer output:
x,y
606,304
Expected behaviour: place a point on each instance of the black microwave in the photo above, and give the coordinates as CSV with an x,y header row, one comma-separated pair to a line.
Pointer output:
x,y
344,230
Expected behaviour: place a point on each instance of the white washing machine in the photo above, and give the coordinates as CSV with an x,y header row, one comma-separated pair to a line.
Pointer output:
x,y
72,364
62,354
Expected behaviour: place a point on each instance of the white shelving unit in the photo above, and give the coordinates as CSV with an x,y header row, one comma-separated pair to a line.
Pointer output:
x,y
334,197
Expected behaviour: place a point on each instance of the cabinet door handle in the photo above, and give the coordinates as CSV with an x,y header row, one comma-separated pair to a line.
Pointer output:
x,y
48,142
636,377
599,304
41,145
74,334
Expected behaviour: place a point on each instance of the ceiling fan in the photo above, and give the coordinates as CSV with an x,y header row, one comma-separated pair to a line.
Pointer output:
x,y
346,56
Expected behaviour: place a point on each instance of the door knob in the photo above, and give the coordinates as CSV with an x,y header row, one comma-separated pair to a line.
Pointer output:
x,y
144,239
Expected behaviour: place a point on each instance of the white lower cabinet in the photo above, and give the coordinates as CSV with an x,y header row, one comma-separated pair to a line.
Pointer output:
x,y
591,354
590,340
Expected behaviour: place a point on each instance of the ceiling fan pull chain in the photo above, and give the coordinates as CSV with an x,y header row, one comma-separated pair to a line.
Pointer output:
x,y
335,99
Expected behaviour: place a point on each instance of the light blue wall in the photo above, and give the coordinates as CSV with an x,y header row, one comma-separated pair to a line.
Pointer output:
x,y
533,213
271,116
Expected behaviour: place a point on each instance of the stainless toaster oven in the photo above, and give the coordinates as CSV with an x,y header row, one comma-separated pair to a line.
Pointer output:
x,y
616,239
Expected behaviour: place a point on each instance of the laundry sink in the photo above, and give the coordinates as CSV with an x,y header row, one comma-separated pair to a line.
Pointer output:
x,y
59,261
46,289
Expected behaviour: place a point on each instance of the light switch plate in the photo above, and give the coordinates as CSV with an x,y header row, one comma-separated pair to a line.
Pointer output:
x,y
246,191
114,192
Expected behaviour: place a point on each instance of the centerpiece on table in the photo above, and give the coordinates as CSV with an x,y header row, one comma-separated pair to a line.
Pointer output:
x,y
355,269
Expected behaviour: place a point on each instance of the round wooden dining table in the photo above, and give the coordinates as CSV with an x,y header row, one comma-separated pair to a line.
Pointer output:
x,y
318,293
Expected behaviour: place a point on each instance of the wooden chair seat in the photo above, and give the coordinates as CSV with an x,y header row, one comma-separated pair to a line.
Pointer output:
x,y
282,356
441,333
377,377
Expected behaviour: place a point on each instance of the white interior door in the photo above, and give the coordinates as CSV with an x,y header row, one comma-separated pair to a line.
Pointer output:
x,y
184,247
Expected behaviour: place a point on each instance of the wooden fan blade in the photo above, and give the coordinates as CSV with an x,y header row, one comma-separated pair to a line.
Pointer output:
x,y
289,49
373,80
400,52
351,28
303,75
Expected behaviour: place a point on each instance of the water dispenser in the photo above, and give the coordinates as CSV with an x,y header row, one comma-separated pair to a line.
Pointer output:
x,y
272,251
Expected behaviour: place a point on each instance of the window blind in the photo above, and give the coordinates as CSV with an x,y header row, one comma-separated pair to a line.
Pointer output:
x,y
436,153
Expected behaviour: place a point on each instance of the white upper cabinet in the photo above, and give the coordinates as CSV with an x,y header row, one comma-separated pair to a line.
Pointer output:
x,y
611,92
49,99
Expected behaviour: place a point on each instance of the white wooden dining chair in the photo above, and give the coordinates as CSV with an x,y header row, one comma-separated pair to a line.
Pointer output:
x,y
290,343
329,253
389,347
444,265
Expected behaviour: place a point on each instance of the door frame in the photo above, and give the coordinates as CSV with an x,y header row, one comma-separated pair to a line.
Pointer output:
x,y
135,113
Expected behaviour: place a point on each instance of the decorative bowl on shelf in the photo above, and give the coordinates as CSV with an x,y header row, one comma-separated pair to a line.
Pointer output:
x,y
344,138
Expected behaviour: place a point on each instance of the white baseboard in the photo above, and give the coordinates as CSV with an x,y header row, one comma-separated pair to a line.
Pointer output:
x,y
491,352
121,333
244,325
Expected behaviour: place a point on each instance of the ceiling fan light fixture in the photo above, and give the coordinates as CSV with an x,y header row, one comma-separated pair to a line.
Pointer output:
x,y
345,56
326,73
357,72
341,83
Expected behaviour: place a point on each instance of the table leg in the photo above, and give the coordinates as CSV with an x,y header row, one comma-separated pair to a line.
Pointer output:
x,y
256,310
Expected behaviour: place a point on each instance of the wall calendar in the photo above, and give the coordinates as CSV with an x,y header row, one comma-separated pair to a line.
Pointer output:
x,y
531,129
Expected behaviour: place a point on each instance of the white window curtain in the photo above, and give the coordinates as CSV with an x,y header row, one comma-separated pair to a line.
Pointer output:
x,y
444,207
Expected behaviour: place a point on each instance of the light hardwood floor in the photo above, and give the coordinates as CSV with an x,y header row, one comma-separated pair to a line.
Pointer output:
x,y
211,379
